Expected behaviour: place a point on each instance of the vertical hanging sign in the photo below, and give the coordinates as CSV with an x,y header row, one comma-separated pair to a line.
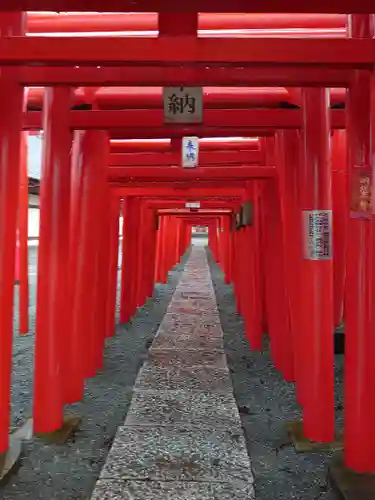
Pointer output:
x,y
317,234
190,152
183,104
361,192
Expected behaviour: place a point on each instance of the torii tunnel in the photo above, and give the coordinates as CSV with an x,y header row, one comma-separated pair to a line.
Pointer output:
x,y
282,181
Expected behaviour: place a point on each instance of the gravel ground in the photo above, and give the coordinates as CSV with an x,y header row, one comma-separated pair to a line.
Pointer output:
x,y
266,402
69,472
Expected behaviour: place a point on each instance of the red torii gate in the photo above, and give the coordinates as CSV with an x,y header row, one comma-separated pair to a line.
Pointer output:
x,y
225,118
226,172
168,7
206,158
167,145
257,75
92,51
42,23
164,204
355,58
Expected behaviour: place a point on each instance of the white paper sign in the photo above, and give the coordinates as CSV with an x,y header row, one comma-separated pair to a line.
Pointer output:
x,y
193,204
317,234
183,104
190,152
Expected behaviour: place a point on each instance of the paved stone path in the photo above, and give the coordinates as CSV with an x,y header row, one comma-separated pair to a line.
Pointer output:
x,y
182,437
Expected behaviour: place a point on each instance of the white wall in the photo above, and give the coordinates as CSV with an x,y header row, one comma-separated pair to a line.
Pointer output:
x,y
34,156
33,223
34,217
34,169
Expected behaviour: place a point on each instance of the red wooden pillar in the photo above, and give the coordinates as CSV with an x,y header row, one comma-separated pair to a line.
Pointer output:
x,y
87,174
162,249
73,383
188,235
113,264
247,282
317,268
211,232
276,296
131,261
269,149
290,208
236,268
157,249
135,262
235,265
246,266
124,249
340,211
177,241
23,251
224,231
152,256
210,241
259,217
140,254
176,236
172,248
183,240
100,249
11,23
224,239
240,269
148,256
227,233
231,248
258,257
127,270
53,263
252,312
217,237
220,243
168,239
359,301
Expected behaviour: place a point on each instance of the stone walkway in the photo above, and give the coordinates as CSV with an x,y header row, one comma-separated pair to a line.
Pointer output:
x,y
182,437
